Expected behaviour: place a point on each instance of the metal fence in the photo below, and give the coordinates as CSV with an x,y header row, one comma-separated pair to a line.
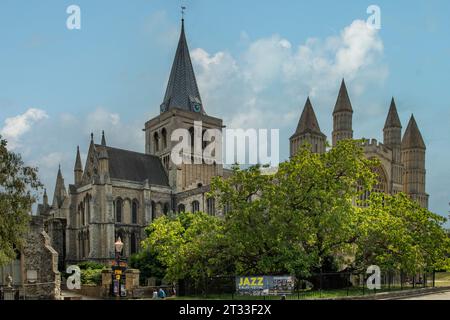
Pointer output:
x,y
317,286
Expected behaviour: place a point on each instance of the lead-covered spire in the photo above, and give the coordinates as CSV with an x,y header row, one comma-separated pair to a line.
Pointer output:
x,y
182,90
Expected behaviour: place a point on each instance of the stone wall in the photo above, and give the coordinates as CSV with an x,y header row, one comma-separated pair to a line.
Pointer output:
x,y
40,268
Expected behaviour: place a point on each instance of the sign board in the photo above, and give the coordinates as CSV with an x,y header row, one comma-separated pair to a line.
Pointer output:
x,y
265,285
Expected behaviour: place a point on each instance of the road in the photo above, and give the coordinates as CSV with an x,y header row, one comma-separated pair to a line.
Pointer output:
x,y
432,296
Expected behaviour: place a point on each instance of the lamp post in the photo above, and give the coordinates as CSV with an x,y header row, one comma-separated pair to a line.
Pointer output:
x,y
118,246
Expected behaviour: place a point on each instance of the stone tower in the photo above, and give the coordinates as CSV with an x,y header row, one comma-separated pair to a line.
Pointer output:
x,y
181,107
392,138
413,159
308,131
342,116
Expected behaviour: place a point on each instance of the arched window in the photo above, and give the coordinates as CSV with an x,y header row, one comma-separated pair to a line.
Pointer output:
x,y
166,208
195,206
164,138
82,214
191,135
211,206
227,208
133,243
181,208
119,207
134,212
153,210
156,141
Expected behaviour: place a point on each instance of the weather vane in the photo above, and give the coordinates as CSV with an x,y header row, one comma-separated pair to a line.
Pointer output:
x,y
183,9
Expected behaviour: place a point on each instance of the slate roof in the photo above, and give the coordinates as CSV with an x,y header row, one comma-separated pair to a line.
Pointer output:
x,y
308,121
182,90
135,166
392,120
412,137
343,101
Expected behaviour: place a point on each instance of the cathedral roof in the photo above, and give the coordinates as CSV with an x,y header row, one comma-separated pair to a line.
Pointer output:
x,y
392,120
308,122
134,166
343,101
412,137
182,90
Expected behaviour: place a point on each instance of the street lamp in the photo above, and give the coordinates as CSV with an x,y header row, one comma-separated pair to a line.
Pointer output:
x,y
118,246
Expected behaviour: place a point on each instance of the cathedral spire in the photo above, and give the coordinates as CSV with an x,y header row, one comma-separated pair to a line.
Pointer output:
x,y
60,190
182,90
342,116
343,101
412,138
103,139
308,120
392,120
78,169
78,165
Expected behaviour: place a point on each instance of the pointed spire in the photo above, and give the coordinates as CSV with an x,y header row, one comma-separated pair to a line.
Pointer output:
x,y
45,198
182,90
103,139
60,190
78,164
413,137
308,120
392,120
343,101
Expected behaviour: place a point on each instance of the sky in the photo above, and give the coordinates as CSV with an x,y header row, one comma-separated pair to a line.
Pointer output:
x,y
256,61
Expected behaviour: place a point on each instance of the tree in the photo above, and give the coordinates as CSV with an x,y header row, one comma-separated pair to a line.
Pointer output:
x,y
396,233
18,184
186,245
299,220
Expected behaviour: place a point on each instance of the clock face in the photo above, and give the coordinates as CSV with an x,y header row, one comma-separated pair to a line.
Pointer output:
x,y
197,107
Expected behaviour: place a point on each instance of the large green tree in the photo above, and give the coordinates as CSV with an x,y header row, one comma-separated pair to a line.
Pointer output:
x,y
299,220
18,184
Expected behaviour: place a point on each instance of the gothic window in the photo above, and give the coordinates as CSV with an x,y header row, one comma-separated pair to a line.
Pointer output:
x,y
164,138
82,214
153,210
156,141
166,209
119,207
195,206
134,212
191,135
133,244
211,206
181,208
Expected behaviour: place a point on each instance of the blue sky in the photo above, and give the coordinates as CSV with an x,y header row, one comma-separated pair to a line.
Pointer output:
x,y
256,62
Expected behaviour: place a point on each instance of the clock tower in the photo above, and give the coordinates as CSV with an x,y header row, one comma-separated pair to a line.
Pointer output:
x,y
182,106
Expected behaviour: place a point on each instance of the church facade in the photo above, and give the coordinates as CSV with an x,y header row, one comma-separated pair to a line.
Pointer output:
x,y
117,193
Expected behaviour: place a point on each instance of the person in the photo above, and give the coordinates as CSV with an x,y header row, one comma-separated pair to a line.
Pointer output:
x,y
161,293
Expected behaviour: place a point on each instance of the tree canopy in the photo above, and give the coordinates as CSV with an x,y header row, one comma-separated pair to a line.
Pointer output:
x,y
301,220
17,186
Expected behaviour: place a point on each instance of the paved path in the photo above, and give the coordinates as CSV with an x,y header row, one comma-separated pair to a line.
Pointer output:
x,y
432,296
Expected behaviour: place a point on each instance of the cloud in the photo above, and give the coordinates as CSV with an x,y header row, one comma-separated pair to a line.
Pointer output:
x,y
16,127
272,76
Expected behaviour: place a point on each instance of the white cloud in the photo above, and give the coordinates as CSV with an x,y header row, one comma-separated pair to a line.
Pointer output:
x,y
270,79
17,126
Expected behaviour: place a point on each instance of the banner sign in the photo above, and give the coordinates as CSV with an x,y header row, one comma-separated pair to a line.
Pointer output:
x,y
265,285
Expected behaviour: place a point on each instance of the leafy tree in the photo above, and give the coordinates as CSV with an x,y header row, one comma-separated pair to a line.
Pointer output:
x,y
396,233
148,263
300,219
17,186
186,245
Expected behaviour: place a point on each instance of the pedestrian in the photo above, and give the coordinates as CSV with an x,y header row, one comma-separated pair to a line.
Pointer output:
x,y
161,293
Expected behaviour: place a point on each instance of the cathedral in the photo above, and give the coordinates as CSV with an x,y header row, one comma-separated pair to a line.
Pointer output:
x,y
117,193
